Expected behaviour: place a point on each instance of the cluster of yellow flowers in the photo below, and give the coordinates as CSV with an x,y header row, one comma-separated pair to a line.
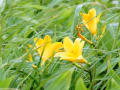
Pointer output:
x,y
70,51
67,50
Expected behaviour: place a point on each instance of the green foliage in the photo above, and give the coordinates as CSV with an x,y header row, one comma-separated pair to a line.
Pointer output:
x,y
61,82
5,83
80,85
22,20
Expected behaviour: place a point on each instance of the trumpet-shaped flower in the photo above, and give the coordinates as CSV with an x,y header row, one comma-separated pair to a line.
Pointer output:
x,y
90,20
72,51
46,48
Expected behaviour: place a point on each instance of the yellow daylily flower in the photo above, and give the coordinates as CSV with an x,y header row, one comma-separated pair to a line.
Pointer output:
x,y
90,20
46,48
72,51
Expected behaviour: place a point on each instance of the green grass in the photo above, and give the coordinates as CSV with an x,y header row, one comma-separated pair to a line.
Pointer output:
x,y
22,20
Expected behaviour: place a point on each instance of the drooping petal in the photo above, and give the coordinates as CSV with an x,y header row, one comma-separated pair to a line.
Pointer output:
x,y
68,44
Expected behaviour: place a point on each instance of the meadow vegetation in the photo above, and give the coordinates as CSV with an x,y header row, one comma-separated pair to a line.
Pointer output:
x,y
59,45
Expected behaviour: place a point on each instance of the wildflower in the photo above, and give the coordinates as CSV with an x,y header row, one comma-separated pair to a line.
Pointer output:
x,y
72,51
90,21
46,48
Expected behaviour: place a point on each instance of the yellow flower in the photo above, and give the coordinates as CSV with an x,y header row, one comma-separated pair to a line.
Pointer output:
x,y
46,48
72,51
90,20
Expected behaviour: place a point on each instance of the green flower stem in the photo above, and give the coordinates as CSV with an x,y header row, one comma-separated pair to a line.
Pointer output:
x,y
78,66
89,72
24,73
36,73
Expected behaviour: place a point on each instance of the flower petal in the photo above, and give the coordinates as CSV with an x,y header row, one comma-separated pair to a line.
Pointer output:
x,y
85,17
72,59
50,50
56,46
80,59
65,56
68,44
38,41
92,13
68,59
60,54
47,53
47,39
78,46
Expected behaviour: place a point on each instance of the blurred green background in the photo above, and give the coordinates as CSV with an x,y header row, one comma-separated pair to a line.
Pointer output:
x,y
22,20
